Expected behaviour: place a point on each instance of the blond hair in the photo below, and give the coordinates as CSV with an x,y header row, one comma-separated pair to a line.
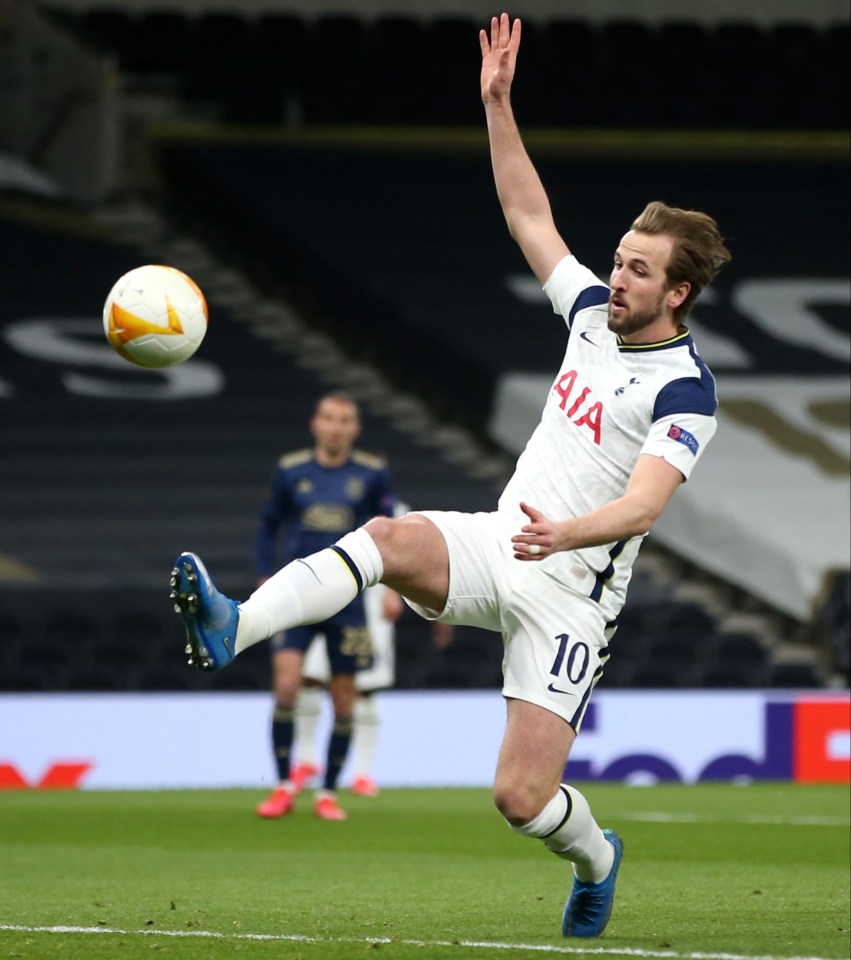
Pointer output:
x,y
699,251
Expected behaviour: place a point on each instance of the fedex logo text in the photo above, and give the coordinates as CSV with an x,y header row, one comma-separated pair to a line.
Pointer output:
x,y
807,740
58,776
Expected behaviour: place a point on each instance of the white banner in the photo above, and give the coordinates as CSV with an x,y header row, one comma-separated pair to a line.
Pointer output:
x,y
154,741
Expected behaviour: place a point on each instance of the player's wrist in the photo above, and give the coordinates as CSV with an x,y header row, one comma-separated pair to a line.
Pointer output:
x,y
562,539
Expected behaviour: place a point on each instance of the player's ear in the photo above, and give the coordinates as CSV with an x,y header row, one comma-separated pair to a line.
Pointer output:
x,y
677,295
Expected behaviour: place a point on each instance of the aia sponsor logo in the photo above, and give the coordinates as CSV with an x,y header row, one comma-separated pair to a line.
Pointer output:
x,y
591,415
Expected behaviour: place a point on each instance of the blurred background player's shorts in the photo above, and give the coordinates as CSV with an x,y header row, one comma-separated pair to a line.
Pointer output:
x,y
382,673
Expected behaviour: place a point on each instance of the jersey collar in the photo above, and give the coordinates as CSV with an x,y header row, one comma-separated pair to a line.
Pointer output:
x,y
682,335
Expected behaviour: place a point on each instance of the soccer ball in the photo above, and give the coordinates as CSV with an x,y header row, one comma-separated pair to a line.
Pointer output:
x,y
155,316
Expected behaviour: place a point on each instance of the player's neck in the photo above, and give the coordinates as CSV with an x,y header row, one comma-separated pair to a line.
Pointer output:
x,y
331,459
658,332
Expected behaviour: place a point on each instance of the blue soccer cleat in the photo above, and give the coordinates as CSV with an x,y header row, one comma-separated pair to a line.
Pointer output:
x,y
589,905
210,617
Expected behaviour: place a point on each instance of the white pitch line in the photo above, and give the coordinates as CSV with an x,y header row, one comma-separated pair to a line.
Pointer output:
x,y
482,944
750,820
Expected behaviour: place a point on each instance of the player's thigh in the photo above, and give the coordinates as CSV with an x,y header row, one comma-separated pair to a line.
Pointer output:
x,y
415,557
481,570
555,647
531,760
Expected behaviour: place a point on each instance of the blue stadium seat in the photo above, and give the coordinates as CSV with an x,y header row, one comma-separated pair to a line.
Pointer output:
x,y
728,677
794,676
741,650
20,680
683,653
655,676
97,680
49,655
71,627
12,629
164,678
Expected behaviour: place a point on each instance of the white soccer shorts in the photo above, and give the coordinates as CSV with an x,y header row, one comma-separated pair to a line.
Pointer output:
x,y
555,638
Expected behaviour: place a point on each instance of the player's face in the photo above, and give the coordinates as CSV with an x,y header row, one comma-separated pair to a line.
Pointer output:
x,y
639,284
335,426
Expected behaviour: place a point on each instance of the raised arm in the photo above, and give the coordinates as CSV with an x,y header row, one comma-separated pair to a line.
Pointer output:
x,y
521,193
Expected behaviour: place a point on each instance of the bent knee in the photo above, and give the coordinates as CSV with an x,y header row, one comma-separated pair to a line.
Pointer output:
x,y
382,530
286,694
518,805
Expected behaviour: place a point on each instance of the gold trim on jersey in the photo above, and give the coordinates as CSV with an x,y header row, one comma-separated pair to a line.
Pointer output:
x,y
296,458
684,332
371,460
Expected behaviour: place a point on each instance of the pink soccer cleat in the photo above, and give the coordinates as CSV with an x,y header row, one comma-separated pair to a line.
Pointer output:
x,y
327,808
302,775
278,805
364,787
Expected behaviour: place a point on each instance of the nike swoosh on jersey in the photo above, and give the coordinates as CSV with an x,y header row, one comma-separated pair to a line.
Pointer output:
x,y
584,336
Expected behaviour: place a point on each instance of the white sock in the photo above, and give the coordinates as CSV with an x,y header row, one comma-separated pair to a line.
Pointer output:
x,y
549,819
310,590
581,841
308,709
367,725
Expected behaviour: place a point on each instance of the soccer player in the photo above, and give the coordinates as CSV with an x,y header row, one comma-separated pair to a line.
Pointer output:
x,y
383,608
319,494
629,413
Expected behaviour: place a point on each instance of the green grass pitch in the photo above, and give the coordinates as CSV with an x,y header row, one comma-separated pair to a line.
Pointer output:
x,y
710,872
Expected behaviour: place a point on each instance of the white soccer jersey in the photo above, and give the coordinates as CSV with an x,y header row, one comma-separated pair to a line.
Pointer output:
x,y
609,403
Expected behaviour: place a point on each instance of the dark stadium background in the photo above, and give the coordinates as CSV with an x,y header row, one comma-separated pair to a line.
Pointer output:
x,y
337,161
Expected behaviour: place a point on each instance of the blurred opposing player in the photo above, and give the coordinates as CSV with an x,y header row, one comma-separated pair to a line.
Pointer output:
x,y
317,495
383,609
629,413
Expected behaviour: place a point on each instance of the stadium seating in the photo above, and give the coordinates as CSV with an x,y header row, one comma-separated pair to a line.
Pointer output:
x,y
728,677
794,676
280,68
139,647
735,75
831,626
655,676
19,680
739,649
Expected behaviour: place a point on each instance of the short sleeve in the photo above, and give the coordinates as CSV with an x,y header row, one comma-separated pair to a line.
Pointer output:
x,y
572,287
680,439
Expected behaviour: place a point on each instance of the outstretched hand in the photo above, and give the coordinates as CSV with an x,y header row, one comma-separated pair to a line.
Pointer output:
x,y
537,539
499,54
